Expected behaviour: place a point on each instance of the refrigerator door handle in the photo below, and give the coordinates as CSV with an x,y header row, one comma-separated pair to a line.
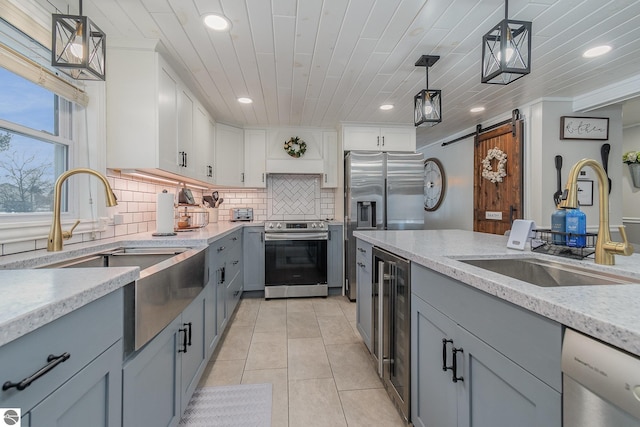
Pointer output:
x,y
381,265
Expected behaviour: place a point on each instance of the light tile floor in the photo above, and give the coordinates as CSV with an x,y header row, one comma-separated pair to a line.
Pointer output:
x,y
311,352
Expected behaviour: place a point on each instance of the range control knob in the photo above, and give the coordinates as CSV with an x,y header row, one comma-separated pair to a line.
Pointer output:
x,y
270,225
321,225
313,225
278,225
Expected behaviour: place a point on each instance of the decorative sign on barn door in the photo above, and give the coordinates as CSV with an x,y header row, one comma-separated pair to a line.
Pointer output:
x,y
498,180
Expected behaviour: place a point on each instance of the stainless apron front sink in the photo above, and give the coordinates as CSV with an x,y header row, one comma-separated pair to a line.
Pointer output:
x,y
170,278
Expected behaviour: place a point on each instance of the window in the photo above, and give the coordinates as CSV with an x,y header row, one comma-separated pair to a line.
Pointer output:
x,y
35,135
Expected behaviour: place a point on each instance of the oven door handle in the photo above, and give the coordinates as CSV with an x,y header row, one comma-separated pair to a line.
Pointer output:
x,y
295,236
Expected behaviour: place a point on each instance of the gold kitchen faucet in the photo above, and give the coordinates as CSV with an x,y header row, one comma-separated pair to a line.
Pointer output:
x,y
56,235
606,249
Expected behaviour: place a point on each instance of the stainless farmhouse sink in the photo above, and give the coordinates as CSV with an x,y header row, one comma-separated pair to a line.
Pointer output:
x,y
547,273
170,278
121,257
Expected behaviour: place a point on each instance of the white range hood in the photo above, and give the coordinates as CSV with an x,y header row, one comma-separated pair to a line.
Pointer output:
x,y
278,161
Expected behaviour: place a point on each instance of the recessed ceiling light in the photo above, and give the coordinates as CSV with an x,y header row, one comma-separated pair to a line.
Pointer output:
x,y
596,51
477,109
386,106
216,22
245,100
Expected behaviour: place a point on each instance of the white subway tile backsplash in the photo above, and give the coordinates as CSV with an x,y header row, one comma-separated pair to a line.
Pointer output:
x,y
287,197
17,247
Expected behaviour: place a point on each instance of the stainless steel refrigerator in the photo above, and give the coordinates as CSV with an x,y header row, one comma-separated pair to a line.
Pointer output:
x,y
383,191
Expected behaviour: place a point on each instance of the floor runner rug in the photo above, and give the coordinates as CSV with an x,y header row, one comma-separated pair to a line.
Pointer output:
x,y
229,406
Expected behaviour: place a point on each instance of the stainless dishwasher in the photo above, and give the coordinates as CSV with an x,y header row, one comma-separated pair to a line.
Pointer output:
x,y
391,321
601,384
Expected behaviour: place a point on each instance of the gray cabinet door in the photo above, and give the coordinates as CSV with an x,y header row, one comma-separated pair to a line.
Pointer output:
x,y
335,257
364,291
212,334
253,245
193,359
498,392
221,304
92,397
151,381
433,393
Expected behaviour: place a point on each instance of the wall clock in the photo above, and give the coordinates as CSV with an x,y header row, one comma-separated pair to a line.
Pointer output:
x,y
434,184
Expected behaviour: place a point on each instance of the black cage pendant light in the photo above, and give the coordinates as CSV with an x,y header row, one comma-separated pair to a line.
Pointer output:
x,y
427,104
506,51
78,47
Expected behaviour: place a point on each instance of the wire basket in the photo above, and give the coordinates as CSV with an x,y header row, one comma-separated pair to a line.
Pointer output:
x,y
187,218
554,243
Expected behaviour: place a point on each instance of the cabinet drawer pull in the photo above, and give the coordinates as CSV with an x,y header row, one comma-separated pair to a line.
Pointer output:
x,y
184,340
454,375
444,354
221,248
235,262
364,251
52,362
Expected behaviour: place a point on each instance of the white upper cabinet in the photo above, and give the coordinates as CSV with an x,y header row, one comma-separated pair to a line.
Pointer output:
x,y
370,138
330,159
255,152
154,122
229,156
186,155
142,105
203,143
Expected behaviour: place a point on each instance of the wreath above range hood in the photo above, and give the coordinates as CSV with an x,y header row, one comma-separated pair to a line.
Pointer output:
x,y
296,150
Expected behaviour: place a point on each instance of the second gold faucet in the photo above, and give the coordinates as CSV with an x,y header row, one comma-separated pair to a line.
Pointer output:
x,y
605,247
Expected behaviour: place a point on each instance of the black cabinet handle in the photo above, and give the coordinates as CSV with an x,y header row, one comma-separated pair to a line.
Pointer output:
x,y
186,158
234,238
383,141
221,248
222,275
444,354
189,333
235,262
184,340
378,144
52,362
454,375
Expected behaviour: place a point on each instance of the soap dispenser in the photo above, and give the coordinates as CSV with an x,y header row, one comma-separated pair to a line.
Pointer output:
x,y
576,228
559,225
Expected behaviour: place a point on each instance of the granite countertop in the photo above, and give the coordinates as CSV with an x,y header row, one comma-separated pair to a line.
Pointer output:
x,y
607,312
33,297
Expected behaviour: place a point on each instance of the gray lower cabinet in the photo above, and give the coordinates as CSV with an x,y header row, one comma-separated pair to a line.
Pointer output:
x,y
364,261
335,276
225,265
83,389
160,378
480,361
253,241
91,397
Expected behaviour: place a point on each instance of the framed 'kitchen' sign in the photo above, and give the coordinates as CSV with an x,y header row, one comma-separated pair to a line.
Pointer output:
x,y
596,128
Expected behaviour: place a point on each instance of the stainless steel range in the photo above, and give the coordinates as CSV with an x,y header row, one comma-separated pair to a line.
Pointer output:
x,y
295,259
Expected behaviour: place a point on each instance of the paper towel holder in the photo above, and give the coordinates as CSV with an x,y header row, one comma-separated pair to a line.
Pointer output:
x,y
171,233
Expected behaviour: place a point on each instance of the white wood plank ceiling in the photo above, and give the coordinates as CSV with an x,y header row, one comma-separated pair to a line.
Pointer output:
x,y
322,62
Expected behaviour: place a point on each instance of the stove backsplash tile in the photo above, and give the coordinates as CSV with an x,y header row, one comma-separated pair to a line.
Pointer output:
x,y
294,197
